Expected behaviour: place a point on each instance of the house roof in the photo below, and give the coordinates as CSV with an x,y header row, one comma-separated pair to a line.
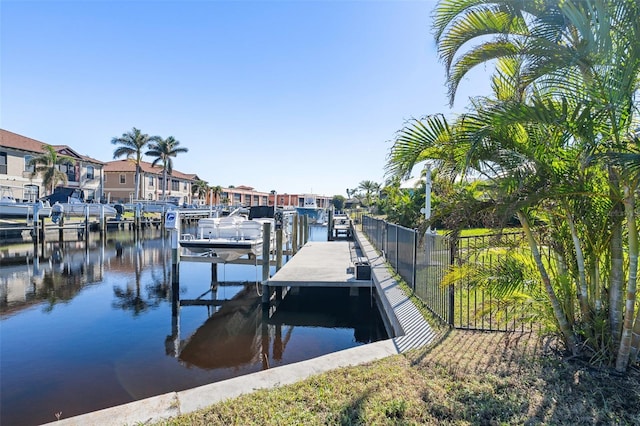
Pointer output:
x,y
13,140
129,166
193,176
23,143
66,150
91,159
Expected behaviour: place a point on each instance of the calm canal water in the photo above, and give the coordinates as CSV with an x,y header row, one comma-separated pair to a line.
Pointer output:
x,y
85,327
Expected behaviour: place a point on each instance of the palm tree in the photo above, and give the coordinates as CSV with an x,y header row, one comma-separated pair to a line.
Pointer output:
x,y
216,191
200,188
163,150
132,145
47,165
564,103
370,189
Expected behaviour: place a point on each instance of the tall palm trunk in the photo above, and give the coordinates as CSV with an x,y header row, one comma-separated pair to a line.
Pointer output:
x,y
624,350
564,325
616,280
137,183
164,183
583,294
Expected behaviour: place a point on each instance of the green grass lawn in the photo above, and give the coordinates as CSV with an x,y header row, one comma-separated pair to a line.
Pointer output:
x,y
465,378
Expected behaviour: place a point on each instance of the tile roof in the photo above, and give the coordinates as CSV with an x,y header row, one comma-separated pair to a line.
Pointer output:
x,y
130,166
67,150
16,141
23,143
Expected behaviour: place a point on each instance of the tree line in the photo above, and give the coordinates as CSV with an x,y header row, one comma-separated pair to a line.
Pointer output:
x,y
556,147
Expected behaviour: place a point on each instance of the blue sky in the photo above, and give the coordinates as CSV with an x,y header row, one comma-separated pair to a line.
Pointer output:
x,y
296,96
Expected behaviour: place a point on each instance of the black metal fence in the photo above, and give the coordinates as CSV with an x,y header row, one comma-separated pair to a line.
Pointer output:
x,y
423,261
398,245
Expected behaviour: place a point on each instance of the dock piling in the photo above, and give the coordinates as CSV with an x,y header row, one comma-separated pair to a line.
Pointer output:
x,y
278,249
294,235
305,229
36,228
61,229
266,250
172,223
136,216
300,241
42,231
214,274
278,260
103,222
86,222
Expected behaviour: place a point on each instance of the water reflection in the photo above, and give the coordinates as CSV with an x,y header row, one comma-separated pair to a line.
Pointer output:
x,y
129,297
238,331
54,275
87,326
57,272
230,337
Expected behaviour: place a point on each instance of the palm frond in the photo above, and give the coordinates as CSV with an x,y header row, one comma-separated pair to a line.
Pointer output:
x,y
418,140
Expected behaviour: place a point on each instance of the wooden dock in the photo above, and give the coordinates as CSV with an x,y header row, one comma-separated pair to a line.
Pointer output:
x,y
320,264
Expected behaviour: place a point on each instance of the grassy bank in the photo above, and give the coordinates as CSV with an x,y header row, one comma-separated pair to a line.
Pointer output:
x,y
463,378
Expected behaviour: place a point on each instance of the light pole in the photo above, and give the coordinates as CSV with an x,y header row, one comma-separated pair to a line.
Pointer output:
x,y
429,233
427,198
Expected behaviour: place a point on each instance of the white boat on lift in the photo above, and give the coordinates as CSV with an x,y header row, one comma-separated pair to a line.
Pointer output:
x,y
12,208
229,237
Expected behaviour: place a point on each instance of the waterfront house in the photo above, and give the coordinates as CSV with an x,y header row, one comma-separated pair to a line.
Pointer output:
x,y
16,151
297,200
242,195
120,183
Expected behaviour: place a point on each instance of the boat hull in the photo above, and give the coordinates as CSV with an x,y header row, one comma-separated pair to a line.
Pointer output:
x,y
23,210
227,250
314,215
229,237
79,209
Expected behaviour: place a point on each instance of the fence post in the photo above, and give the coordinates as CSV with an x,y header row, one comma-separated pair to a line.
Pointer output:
x,y
383,237
415,259
396,264
453,245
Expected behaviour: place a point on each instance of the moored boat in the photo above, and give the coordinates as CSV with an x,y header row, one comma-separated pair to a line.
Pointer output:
x,y
72,202
79,209
309,208
228,237
12,208
233,236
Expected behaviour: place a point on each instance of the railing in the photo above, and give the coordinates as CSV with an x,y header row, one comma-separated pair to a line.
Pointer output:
x,y
423,261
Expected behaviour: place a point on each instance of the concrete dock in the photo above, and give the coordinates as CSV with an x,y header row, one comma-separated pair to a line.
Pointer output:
x,y
409,330
320,264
